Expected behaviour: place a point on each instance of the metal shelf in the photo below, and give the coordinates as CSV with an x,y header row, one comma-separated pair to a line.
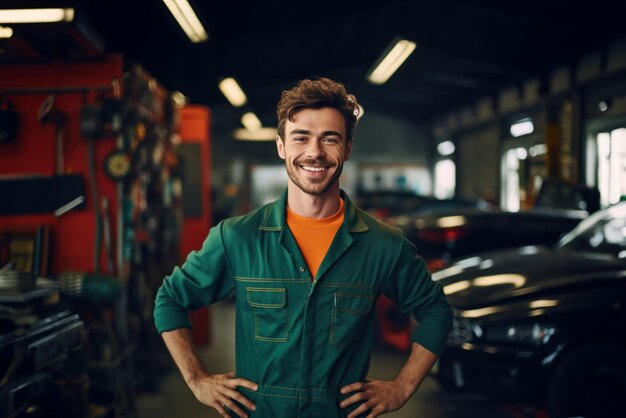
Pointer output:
x,y
18,297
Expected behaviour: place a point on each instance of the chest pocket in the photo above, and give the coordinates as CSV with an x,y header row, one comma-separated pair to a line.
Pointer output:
x,y
270,313
349,312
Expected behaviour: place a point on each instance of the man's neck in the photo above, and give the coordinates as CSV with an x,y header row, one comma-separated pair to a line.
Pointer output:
x,y
313,206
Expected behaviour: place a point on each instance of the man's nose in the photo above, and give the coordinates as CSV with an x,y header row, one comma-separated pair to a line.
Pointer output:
x,y
315,149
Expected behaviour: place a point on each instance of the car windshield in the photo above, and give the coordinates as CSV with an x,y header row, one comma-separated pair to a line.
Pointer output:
x,y
603,232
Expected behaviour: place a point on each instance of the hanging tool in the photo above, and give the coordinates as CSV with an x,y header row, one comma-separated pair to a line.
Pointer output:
x,y
49,115
93,185
106,226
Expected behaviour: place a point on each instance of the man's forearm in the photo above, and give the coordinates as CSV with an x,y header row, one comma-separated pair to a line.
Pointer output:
x,y
416,368
379,396
179,342
219,391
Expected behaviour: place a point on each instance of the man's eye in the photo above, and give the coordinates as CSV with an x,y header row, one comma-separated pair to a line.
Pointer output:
x,y
331,140
300,139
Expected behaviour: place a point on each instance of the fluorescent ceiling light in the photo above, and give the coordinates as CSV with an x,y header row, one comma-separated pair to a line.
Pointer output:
x,y
179,99
187,19
445,148
251,122
263,134
603,105
36,15
538,149
522,127
392,61
233,92
477,313
5,32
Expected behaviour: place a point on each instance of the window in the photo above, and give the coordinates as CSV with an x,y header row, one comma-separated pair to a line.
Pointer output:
x,y
445,179
511,181
611,151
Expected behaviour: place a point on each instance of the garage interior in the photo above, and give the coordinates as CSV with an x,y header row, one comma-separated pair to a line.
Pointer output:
x,y
119,150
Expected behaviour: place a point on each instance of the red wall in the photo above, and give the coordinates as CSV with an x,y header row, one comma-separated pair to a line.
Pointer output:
x,y
194,127
73,234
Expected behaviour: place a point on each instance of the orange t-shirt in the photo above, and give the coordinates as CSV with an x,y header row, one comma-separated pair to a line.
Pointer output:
x,y
314,235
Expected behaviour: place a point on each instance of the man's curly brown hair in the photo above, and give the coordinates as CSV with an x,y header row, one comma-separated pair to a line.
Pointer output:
x,y
316,94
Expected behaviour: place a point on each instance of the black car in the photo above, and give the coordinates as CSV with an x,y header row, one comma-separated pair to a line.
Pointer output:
x,y
445,230
385,204
543,326
444,234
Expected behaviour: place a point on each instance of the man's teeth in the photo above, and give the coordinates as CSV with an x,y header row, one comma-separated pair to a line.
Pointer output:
x,y
309,168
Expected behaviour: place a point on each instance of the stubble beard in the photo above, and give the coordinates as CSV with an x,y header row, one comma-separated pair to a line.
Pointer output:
x,y
311,188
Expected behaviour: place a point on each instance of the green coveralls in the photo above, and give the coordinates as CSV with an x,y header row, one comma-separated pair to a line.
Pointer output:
x,y
300,339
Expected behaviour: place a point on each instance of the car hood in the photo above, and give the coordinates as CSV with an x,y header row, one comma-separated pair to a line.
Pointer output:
x,y
498,277
428,218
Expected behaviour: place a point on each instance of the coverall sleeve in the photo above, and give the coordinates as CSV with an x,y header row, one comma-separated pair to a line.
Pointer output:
x,y
411,287
204,278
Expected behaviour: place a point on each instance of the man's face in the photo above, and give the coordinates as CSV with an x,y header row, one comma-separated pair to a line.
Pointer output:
x,y
314,149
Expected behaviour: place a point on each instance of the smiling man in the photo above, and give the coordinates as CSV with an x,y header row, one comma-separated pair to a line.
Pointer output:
x,y
306,271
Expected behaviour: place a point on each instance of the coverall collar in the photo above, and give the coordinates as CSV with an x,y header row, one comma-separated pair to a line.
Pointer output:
x,y
276,219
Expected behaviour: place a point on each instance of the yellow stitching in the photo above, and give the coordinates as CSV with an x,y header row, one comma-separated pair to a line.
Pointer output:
x,y
298,389
338,309
266,339
271,340
268,394
257,319
361,286
291,397
262,280
266,289
279,396
278,305
267,305
281,387
267,216
354,296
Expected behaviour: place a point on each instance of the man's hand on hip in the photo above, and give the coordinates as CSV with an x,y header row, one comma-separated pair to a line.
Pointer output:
x,y
219,392
378,397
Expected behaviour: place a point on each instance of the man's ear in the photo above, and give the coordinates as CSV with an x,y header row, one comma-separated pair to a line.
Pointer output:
x,y
280,147
348,150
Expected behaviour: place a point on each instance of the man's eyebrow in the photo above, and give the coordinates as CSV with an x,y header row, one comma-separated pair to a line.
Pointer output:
x,y
306,132
300,131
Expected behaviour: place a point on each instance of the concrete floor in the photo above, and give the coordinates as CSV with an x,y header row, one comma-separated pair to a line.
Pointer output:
x,y
175,400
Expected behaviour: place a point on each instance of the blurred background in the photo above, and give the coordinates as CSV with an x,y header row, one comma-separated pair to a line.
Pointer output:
x,y
492,133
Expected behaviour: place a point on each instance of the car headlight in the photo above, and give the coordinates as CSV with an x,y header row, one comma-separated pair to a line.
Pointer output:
x,y
534,333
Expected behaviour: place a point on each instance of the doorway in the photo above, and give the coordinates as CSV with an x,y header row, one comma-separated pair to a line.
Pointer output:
x,y
523,169
606,152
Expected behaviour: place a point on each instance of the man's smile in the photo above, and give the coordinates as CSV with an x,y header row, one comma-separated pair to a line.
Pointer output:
x,y
313,169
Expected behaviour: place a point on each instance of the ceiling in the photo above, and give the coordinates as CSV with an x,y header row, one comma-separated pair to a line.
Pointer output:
x,y
467,49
